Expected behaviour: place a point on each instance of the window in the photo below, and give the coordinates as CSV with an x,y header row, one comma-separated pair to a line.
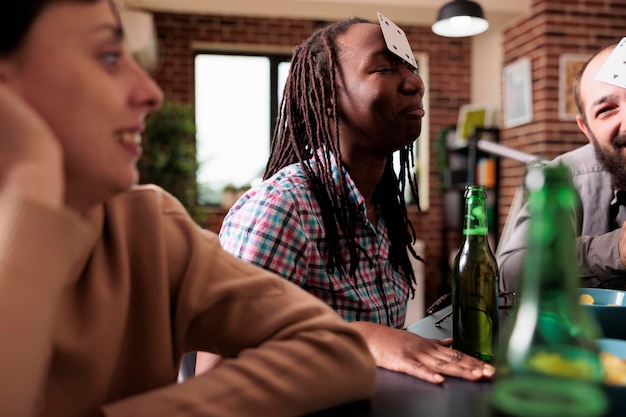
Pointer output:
x,y
237,99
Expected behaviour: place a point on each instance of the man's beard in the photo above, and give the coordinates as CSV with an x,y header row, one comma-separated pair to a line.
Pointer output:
x,y
612,159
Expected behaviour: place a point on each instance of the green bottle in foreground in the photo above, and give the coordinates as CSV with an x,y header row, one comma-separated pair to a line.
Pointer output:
x,y
549,364
475,283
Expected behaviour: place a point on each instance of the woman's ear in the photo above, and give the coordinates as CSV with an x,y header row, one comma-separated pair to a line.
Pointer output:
x,y
582,125
329,107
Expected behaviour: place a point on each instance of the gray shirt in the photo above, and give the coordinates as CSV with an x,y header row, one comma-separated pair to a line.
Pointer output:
x,y
597,221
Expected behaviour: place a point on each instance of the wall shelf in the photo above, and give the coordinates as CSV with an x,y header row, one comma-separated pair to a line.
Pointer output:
x,y
468,165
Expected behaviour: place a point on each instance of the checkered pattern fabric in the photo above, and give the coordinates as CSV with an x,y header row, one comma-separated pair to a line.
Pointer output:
x,y
278,226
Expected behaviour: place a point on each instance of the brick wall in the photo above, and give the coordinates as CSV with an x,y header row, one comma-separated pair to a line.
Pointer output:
x,y
449,61
552,28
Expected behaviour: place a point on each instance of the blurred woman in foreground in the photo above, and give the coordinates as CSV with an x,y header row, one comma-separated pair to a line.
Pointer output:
x,y
104,283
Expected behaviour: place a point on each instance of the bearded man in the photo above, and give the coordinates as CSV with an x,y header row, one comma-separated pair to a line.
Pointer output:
x,y
598,172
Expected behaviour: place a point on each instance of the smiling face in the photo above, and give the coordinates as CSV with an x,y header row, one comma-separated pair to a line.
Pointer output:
x,y
73,69
604,107
380,98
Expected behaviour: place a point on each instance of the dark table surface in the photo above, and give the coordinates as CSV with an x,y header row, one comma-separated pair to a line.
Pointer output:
x,y
400,395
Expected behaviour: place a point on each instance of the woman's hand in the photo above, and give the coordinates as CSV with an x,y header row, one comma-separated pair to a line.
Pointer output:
x,y
206,361
31,162
427,359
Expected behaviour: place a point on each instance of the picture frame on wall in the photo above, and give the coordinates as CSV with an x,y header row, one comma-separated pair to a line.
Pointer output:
x,y
518,100
472,116
569,65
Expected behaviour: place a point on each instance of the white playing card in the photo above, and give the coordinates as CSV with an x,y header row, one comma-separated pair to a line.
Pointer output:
x,y
614,69
396,40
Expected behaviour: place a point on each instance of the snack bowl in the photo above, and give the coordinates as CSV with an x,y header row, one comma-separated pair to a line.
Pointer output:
x,y
609,309
615,373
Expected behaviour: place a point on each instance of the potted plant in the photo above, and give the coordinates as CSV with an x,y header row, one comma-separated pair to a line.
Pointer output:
x,y
169,154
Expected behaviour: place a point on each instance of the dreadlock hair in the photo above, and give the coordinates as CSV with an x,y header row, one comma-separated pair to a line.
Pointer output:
x,y
304,128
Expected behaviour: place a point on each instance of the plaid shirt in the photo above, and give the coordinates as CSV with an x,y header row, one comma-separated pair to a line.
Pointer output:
x,y
278,225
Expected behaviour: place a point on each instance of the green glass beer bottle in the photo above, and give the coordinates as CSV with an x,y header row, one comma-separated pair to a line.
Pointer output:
x,y
548,364
475,283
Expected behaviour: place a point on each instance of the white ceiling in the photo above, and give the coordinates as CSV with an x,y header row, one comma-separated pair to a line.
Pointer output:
x,y
407,11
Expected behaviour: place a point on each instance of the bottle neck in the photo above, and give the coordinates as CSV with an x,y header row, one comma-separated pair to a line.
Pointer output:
x,y
550,267
475,222
550,254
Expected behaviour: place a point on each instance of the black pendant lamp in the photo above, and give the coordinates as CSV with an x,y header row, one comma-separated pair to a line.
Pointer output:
x,y
460,18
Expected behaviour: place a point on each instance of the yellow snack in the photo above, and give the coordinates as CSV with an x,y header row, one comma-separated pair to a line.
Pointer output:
x,y
585,299
614,369
555,364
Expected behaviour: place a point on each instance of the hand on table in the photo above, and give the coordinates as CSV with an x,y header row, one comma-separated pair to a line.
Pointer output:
x,y
427,359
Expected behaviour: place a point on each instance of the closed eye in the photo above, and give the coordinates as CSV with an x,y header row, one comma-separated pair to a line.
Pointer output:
x,y
411,68
602,111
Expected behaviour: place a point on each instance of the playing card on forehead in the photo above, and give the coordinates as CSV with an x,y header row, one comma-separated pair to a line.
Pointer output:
x,y
614,69
396,40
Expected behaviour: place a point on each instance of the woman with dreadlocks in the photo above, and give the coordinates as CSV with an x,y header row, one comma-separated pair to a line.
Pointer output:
x,y
330,214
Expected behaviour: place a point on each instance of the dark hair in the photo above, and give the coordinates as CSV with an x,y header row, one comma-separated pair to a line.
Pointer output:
x,y
576,86
16,20
305,125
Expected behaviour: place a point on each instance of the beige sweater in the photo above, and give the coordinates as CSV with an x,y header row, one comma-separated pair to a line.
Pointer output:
x,y
98,313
